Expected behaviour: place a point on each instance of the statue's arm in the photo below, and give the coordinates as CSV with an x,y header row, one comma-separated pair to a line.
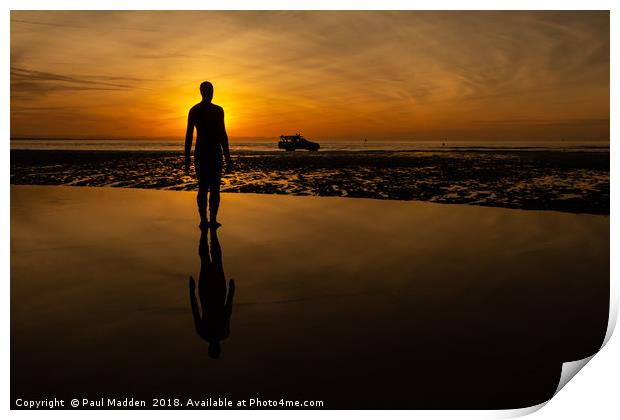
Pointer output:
x,y
189,137
225,148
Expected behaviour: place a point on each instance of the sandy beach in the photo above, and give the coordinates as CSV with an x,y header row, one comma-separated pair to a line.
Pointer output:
x,y
555,179
358,303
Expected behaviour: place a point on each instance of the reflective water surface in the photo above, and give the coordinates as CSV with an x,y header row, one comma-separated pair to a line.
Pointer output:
x,y
359,303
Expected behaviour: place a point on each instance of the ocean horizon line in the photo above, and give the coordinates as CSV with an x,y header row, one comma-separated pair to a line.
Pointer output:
x,y
320,138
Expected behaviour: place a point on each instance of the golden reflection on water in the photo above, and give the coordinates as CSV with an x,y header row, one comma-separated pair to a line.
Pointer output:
x,y
334,297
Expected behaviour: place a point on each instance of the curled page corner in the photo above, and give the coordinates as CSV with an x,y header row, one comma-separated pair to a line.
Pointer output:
x,y
569,370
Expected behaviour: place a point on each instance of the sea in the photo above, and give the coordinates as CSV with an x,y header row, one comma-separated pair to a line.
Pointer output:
x,y
326,145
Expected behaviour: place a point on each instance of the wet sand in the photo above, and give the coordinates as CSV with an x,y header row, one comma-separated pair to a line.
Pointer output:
x,y
358,303
562,180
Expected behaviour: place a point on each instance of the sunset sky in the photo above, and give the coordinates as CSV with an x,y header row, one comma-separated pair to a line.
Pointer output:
x,y
331,75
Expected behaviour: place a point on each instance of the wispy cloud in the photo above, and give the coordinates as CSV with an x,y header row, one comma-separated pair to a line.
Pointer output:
x,y
30,22
74,26
546,122
28,81
156,56
19,74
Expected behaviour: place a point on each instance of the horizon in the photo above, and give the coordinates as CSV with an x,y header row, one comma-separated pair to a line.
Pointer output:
x,y
234,139
519,76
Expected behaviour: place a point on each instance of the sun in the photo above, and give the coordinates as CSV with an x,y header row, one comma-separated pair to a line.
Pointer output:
x,y
177,102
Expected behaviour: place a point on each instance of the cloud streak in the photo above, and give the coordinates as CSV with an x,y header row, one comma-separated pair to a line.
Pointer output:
x,y
542,122
26,82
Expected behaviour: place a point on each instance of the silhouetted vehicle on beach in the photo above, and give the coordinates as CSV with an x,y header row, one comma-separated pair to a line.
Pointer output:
x,y
290,143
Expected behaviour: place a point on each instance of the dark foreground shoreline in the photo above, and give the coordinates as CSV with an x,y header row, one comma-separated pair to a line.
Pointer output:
x,y
569,181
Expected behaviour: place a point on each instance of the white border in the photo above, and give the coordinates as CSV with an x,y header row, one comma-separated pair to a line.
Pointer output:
x,y
592,394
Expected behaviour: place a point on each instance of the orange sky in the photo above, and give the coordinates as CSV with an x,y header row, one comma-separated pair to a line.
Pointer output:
x,y
332,75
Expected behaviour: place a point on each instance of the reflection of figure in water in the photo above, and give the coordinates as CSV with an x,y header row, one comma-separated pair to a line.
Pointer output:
x,y
211,143
214,324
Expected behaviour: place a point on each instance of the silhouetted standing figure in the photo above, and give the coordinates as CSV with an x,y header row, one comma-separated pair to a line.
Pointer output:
x,y
214,324
211,143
